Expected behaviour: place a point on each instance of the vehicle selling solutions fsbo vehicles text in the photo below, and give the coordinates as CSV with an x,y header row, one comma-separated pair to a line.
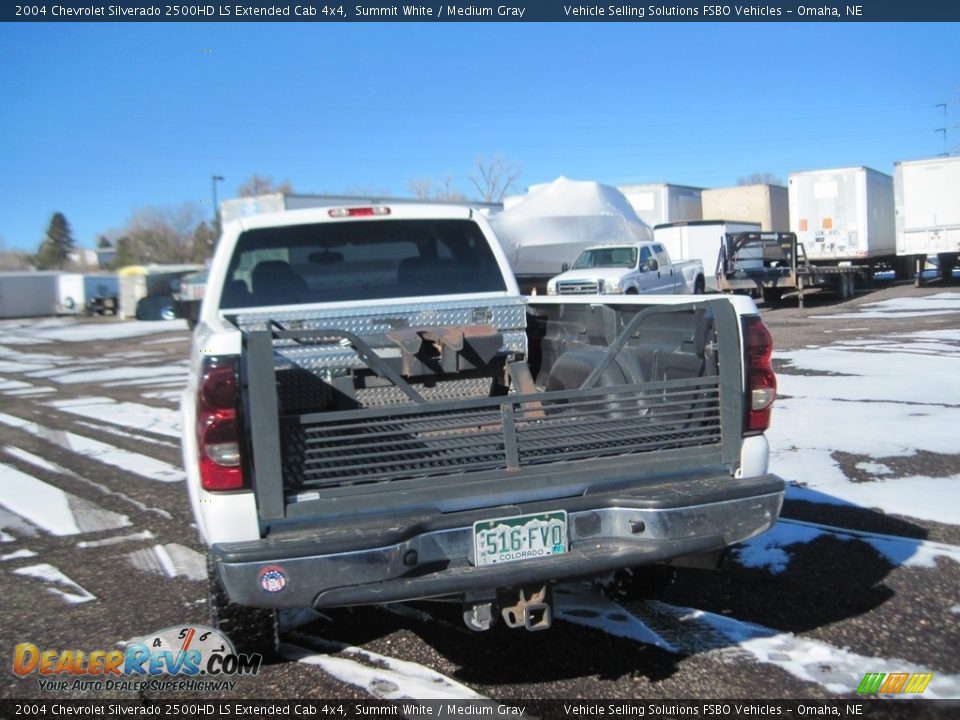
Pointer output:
x,y
653,11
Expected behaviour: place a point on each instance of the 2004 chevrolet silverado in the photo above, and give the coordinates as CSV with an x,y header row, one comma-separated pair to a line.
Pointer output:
x,y
375,414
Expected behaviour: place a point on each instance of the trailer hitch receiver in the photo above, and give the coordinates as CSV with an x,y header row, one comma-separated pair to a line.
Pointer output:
x,y
531,608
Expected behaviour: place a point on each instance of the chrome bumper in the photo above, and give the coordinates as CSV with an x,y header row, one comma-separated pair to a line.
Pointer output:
x,y
435,563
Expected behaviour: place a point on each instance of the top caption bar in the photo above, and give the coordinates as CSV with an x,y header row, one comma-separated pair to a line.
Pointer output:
x,y
517,11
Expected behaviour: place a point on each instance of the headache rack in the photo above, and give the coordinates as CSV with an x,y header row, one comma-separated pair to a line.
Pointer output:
x,y
352,448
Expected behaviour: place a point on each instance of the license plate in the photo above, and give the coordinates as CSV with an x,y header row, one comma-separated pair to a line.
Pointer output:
x,y
520,537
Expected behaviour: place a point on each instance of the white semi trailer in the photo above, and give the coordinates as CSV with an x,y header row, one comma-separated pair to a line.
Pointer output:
x,y
844,216
927,202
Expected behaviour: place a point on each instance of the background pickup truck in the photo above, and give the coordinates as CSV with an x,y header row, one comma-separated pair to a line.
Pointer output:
x,y
375,414
629,268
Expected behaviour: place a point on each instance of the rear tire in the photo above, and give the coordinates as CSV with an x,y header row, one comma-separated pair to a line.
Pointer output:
x,y
699,286
252,630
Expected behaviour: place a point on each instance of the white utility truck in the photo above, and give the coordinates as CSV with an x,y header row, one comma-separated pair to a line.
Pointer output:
x,y
643,268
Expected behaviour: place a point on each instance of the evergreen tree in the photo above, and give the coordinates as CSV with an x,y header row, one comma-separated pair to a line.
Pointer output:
x,y
56,246
202,243
125,254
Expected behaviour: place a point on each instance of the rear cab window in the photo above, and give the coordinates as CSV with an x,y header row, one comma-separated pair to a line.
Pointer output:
x,y
359,260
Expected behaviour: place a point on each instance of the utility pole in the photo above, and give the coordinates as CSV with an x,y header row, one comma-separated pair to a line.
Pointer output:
x,y
943,130
214,179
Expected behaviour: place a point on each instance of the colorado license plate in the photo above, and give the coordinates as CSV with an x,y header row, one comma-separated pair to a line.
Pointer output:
x,y
520,537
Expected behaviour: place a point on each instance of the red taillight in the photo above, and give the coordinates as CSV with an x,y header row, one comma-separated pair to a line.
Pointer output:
x,y
218,431
761,381
358,211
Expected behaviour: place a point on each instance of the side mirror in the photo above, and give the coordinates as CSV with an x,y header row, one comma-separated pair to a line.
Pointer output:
x,y
564,267
654,265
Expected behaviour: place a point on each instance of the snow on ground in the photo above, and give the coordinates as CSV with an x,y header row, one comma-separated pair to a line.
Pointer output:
x,y
69,330
130,415
57,583
52,509
117,375
940,304
582,605
894,396
142,465
385,678
171,560
12,521
688,631
18,555
770,550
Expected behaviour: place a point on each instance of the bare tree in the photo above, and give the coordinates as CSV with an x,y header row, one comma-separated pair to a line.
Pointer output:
x,y
364,191
423,188
262,185
494,178
764,178
13,259
161,235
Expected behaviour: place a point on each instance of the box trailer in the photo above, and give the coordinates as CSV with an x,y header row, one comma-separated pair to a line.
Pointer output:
x,y
765,204
927,206
40,294
700,240
844,215
659,203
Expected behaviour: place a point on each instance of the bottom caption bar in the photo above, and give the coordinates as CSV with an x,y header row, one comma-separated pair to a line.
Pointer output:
x,y
877,709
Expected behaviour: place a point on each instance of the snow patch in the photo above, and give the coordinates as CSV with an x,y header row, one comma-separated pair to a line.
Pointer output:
x,y
57,583
126,375
36,460
874,468
72,331
907,307
12,521
171,560
891,402
391,679
769,550
52,509
17,554
146,467
134,416
837,670
106,542
581,605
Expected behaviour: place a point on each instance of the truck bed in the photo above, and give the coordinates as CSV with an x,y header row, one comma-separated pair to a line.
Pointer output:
x,y
654,398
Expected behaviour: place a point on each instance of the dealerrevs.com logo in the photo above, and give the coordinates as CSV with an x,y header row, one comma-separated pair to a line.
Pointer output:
x,y
186,658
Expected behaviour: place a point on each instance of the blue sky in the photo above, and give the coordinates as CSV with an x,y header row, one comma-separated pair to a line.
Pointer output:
x,y
99,120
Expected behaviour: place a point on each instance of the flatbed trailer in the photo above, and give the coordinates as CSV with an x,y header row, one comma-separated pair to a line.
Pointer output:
x,y
773,263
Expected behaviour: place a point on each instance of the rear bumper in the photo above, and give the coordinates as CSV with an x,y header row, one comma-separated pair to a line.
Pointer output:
x,y
421,559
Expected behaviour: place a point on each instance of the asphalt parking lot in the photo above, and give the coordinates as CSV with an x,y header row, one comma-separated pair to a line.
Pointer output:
x,y
861,575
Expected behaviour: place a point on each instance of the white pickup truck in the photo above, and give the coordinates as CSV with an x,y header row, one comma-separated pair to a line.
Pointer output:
x,y
642,268
375,414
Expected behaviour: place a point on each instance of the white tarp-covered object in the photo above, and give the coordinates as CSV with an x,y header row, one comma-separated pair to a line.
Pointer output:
x,y
557,220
